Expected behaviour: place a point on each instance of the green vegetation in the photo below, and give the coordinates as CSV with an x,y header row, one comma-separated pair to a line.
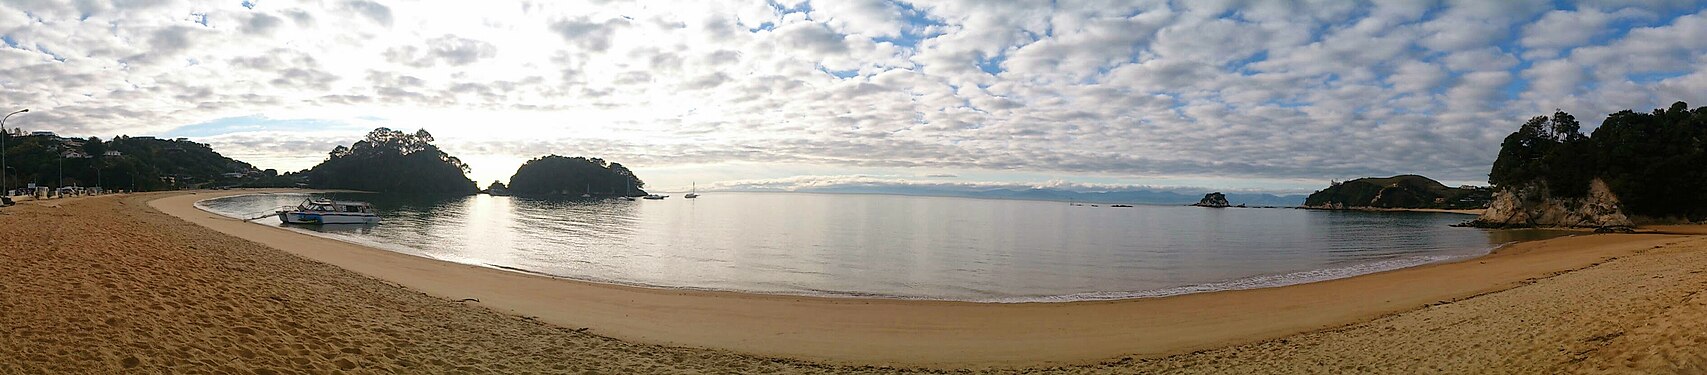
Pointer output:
x,y
392,161
1652,161
123,163
558,175
1404,191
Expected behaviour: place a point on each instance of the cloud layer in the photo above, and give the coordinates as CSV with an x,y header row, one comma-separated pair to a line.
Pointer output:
x,y
1262,90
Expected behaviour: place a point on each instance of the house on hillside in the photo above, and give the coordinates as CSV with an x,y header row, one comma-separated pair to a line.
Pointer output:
x,y
113,153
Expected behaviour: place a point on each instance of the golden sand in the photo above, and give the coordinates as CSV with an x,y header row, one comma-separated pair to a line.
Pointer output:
x,y
103,284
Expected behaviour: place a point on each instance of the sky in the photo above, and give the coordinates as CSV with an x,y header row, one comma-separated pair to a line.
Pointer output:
x,y
1270,96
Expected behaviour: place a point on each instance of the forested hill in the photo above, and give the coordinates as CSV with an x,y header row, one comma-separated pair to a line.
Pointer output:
x,y
1403,191
123,163
1655,163
558,175
393,161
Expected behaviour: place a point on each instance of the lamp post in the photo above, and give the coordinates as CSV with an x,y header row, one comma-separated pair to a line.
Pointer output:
x,y
3,149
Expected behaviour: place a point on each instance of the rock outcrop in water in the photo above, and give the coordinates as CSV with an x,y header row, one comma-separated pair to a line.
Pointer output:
x,y
1215,199
1531,205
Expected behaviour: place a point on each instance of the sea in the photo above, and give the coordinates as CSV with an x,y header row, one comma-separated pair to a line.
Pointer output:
x,y
904,247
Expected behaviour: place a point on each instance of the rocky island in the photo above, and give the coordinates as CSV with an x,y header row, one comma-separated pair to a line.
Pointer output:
x,y
1215,199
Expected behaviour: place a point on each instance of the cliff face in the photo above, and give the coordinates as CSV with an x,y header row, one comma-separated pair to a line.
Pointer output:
x,y
1530,205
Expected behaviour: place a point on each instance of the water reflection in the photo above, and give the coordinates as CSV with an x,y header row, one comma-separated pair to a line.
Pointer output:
x,y
914,247
335,228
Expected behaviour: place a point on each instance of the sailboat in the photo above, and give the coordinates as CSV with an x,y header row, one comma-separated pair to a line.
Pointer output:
x,y
628,195
694,193
589,193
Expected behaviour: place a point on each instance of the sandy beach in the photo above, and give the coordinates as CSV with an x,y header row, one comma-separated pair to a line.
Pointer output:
x,y
149,282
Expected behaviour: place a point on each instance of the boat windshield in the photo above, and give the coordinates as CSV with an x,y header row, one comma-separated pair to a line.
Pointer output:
x,y
326,206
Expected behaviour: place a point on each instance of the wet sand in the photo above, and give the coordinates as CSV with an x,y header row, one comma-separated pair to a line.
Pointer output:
x,y
111,282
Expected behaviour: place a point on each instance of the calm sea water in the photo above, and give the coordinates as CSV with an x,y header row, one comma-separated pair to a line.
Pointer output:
x,y
901,246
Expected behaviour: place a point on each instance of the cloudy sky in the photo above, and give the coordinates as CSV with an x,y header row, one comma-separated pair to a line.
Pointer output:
x,y
1254,95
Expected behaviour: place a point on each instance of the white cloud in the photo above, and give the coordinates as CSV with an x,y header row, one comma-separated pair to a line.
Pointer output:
x,y
1265,90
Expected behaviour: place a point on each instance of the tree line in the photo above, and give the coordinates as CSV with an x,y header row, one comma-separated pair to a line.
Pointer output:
x,y
388,160
559,175
1655,162
392,161
135,163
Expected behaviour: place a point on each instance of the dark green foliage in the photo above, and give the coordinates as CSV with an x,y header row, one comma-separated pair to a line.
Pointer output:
x,y
558,175
1547,149
272,179
393,161
1654,162
144,163
1405,191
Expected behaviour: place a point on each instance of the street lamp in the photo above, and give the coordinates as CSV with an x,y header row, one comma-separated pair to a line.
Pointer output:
x,y
3,149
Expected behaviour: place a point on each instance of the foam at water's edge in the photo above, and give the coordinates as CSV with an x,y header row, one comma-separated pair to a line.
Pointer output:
x,y
1255,282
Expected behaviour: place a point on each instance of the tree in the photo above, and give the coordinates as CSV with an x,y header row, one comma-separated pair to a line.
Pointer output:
x,y
1551,150
1520,155
94,147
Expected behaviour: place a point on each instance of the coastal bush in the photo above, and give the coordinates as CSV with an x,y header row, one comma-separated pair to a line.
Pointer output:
x,y
559,175
393,161
137,163
1403,191
1652,161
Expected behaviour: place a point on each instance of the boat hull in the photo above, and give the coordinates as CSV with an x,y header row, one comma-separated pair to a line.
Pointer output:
x,y
308,217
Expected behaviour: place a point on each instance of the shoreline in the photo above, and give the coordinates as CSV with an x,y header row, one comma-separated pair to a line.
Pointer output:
x,y
1476,211
938,333
1243,283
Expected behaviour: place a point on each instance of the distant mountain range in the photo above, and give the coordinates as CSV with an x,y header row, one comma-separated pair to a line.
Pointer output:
x,y
1124,196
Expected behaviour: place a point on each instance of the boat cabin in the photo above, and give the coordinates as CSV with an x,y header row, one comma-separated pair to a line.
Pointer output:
x,y
327,205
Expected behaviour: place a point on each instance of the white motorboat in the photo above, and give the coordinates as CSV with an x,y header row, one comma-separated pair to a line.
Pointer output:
x,y
326,211
656,197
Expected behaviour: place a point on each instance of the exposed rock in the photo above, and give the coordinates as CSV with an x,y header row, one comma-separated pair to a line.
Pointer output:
x,y
1530,206
1215,199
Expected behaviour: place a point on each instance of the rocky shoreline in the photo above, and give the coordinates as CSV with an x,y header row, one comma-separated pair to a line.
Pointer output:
x,y
1534,206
